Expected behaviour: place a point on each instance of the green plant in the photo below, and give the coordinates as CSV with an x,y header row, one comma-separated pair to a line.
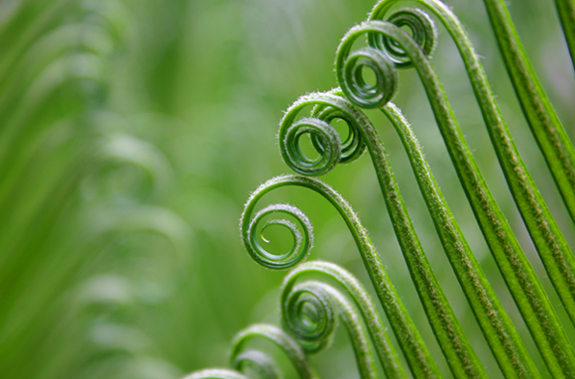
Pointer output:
x,y
390,47
132,132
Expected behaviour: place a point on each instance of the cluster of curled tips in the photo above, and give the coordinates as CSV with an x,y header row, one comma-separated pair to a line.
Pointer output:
x,y
326,107
382,56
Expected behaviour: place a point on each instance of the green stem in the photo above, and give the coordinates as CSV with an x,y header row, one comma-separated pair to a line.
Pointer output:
x,y
566,12
562,360
551,245
496,325
557,149
420,361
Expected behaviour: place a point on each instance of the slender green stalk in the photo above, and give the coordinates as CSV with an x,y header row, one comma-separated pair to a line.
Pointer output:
x,y
553,346
557,149
551,245
329,106
479,292
566,12
377,330
279,338
420,361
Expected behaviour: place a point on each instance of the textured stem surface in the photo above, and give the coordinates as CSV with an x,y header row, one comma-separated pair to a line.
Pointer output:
x,y
553,142
416,353
496,325
533,303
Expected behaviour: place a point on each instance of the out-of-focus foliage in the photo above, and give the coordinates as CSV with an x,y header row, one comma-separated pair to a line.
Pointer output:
x,y
131,133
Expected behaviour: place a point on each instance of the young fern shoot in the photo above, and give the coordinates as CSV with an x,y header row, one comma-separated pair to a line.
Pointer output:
x,y
405,38
416,353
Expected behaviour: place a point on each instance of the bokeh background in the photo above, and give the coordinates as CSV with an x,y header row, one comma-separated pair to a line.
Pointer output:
x,y
131,135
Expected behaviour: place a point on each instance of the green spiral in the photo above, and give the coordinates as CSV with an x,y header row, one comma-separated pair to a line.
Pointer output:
x,y
301,231
325,138
310,315
350,75
419,26
310,312
364,309
261,363
254,361
383,56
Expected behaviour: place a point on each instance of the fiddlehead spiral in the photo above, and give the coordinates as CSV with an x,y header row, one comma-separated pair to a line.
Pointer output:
x,y
324,137
325,140
419,26
310,312
382,56
301,231
262,363
350,70
292,313
310,315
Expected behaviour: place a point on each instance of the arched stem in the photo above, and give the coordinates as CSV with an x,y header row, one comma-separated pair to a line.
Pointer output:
x,y
417,355
559,359
549,241
479,292
459,353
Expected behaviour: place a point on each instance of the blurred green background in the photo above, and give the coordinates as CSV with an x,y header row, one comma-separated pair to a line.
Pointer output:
x,y
132,132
